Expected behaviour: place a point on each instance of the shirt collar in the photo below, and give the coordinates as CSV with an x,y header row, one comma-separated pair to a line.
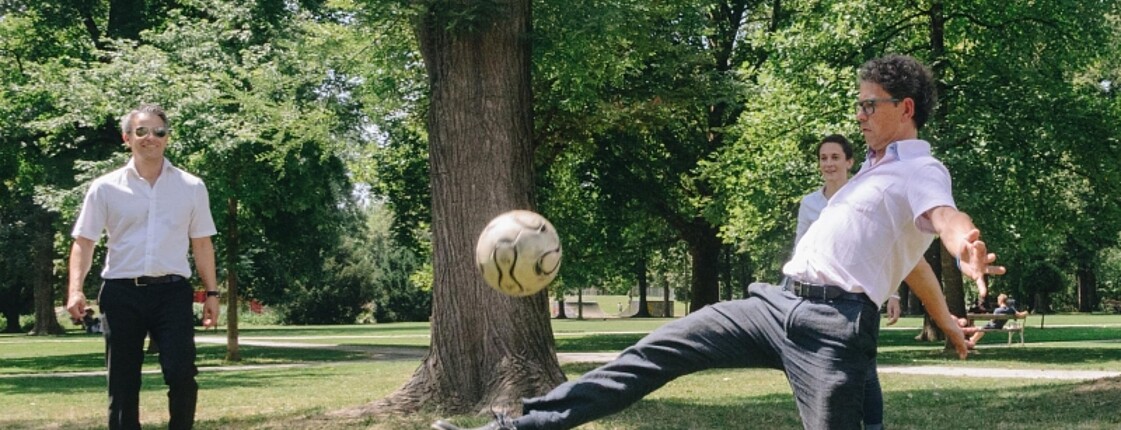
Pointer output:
x,y
901,150
131,166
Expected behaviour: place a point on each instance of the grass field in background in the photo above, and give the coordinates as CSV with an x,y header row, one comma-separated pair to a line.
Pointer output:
x,y
321,380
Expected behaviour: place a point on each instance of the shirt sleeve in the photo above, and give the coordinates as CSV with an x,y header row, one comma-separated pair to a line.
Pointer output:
x,y
92,217
804,222
930,187
202,222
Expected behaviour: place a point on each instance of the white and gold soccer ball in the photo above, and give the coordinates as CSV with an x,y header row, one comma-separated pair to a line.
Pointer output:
x,y
518,253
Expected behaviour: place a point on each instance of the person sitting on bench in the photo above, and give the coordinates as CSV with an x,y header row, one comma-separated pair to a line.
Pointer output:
x,y
1005,306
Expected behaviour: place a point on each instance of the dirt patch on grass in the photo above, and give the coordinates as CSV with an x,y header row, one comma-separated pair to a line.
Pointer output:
x,y
1100,385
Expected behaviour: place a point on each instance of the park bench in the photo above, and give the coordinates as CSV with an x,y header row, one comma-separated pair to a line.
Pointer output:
x,y
1014,324
1112,306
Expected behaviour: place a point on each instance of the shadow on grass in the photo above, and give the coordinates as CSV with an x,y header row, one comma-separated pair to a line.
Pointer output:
x,y
208,356
1090,405
47,423
1081,405
96,384
1032,335
332,330
596,342
1106,357
55,363
1068,405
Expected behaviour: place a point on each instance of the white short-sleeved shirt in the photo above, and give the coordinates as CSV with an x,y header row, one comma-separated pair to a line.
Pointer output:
x,y
872,232
809,210
149,226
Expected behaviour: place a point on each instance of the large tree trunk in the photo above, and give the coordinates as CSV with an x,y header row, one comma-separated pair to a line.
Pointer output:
x,y
704,248
43,277
233,351
488,350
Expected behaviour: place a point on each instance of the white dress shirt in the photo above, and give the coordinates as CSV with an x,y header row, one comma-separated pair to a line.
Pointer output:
x,y
809,210
149,225
873,232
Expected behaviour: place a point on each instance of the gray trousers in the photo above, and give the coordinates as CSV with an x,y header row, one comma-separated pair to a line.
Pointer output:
x,y
824,346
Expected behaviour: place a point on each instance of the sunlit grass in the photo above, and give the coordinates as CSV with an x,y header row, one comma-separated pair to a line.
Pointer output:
x,y
318,380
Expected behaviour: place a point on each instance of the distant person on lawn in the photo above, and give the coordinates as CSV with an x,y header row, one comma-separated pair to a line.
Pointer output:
x,y
1005,306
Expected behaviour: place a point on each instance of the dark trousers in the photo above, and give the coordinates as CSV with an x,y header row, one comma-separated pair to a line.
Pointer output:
x,y
873,400
824,346
128,314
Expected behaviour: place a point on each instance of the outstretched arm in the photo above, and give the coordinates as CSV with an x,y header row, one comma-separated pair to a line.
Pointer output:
x,y
925,285
963,240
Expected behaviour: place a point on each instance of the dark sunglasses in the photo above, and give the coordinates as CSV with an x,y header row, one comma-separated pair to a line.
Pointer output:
x,y
158,131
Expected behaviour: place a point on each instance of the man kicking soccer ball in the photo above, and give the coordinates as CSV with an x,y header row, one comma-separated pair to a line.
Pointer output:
x,y
821,323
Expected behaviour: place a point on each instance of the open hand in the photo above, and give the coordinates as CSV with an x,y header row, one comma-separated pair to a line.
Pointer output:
x,y
975,261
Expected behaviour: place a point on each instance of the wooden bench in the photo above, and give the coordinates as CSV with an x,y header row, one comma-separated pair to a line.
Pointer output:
x,y
1013,324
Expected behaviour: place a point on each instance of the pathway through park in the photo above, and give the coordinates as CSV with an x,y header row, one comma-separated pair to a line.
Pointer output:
x,y
405,353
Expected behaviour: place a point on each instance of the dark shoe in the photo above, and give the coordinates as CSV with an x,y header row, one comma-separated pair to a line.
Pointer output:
x,y
501,422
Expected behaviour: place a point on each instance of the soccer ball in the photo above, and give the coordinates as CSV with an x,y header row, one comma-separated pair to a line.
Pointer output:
x,y
518,253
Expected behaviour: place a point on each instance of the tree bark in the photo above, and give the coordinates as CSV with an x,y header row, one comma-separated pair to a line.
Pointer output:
x,y
1087,287
126,19
233,350
729,255
43,276
643,288
488,350
12,317
561,315
704,248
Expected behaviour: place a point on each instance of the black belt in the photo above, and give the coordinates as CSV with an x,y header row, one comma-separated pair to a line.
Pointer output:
x,y
150,280
820,291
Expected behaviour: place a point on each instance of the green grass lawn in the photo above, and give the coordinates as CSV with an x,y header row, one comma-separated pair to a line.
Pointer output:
x,y
321,380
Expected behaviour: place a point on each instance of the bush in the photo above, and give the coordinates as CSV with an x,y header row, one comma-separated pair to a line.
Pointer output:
x,y
337,302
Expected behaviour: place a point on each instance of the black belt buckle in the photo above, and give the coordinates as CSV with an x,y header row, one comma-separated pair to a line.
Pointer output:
x,y
814,291
153,280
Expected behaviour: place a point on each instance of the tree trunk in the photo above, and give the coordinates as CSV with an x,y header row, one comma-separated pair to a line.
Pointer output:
x,y
43,276
1087,287
643,287
126,19
561,315
667,309
579,303
233,350
12,317
933,256
726,270
488,350
747,275
704,248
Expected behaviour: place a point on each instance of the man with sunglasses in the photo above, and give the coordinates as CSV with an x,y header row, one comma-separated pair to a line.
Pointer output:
x,y
152,212
820,324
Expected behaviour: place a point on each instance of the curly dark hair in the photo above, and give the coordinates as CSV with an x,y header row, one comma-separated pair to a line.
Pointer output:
x,y
904,77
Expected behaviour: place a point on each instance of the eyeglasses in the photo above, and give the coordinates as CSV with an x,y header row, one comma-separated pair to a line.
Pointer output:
x,y
868,106
158,131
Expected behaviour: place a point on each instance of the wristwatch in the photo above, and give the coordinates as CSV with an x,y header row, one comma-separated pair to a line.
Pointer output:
x,y
214,294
